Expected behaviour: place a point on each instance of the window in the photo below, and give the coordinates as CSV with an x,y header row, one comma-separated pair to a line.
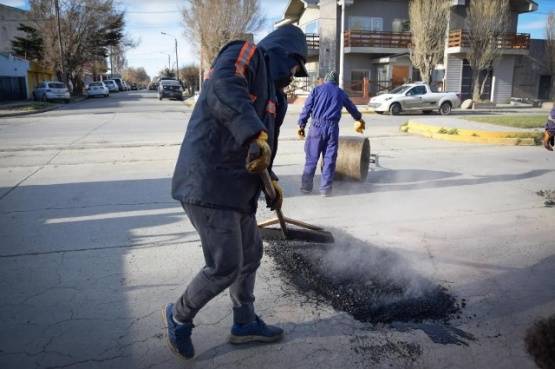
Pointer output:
x,y
357,79
311,27
365,24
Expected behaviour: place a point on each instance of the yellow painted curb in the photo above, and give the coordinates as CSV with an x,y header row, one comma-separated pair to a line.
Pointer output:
x,y
472,136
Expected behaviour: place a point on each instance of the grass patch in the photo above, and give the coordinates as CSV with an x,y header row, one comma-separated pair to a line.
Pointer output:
x,y
537,121
31,106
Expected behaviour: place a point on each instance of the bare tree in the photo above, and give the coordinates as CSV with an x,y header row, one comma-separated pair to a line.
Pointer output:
x,y
428,25
87,30
550,46
487,22
210,24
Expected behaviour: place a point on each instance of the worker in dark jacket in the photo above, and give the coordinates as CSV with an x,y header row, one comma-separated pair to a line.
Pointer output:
x,y
236,120
324,104
549,133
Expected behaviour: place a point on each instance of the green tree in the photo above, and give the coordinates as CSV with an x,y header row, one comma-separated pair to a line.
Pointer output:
x,y
29,47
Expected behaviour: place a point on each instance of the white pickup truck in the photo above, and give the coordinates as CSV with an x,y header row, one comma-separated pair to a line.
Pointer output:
x,y
415,96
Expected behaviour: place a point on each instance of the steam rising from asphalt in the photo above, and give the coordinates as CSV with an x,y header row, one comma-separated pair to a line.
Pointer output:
x,y
370,283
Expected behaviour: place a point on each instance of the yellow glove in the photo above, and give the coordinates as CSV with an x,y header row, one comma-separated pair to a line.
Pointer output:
x,y
259,154
548,139
300,133
275,204
360,126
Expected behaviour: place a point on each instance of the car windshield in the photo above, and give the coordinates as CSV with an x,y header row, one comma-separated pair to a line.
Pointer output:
x,y
57,85
400,89
95,84
108,82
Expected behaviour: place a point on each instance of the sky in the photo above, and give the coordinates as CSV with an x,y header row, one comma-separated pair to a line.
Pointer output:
x,y
146,19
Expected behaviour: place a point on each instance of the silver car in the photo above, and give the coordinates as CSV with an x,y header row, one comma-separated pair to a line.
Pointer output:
x,y
111,84
50,91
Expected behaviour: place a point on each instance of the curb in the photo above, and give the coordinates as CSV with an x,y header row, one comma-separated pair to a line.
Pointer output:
x,y
19,113
472,136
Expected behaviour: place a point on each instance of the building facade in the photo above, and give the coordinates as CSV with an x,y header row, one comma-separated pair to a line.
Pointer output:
x,y
367,42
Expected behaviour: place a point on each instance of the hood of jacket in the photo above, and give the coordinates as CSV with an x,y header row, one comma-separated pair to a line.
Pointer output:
x,y
284,48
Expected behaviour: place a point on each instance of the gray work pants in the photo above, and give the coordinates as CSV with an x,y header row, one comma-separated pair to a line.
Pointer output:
x,y
232,252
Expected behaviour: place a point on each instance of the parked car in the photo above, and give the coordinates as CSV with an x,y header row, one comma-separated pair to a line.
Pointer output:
x,y
126,85
152,86
51,90
171,89
111,84
415,96
120,83
97,89
134,88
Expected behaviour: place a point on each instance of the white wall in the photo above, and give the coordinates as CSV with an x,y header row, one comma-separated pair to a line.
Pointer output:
x,y
11,66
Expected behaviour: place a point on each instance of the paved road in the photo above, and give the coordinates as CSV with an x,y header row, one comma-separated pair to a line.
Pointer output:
x,y
93,245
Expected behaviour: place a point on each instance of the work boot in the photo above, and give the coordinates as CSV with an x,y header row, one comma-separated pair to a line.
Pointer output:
x,y
547,140
179,334
257,331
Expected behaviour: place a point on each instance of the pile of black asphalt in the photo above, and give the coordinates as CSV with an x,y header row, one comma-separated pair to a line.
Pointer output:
x,y
373,284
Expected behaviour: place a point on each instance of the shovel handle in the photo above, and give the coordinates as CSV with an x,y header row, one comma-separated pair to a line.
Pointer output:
x,y
270,190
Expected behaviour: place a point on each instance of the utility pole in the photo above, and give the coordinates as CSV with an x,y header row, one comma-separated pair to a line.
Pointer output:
x,y
176,59
57,6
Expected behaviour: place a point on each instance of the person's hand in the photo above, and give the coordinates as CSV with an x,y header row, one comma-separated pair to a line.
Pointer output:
x,y
360,126
300,133
548,140
259,154
275,204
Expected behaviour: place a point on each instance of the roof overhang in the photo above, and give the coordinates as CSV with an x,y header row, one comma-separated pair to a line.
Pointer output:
x,y
294,10
520,6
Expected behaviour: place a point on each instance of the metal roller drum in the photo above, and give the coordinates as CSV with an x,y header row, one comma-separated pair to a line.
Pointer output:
x,y
353,158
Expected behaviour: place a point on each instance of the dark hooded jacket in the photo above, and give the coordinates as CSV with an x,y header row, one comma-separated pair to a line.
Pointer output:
x,y
238,100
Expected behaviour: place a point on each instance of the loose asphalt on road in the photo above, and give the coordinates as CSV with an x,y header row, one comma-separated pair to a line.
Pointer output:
x,y
92,247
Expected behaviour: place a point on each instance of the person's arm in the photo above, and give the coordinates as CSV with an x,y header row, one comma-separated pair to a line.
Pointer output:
x,y
227,91
551,116
351,107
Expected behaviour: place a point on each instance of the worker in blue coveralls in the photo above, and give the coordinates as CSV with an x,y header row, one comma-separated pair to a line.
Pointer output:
x,y
549,133
231,138
324,104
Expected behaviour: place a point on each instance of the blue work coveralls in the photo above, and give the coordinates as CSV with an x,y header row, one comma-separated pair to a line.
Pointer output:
x,y
324,104
239,99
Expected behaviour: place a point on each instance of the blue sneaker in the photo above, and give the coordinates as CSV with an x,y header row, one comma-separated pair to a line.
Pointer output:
x,y
179,335
257,331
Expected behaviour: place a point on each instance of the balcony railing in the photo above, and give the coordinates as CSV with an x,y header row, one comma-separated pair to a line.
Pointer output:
x,y
377,39
313,40
461,38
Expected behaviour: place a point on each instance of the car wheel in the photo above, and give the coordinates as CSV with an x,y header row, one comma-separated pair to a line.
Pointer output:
x,y
426,112
395,109
160,97
43,98
445,108
66,101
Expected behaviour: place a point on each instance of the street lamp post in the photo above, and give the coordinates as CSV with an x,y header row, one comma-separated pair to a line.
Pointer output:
x,y
176,59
